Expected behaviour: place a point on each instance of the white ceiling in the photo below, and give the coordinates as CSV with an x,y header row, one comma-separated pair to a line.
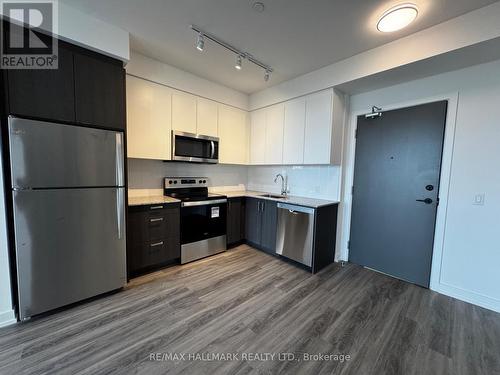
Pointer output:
x,y
293,36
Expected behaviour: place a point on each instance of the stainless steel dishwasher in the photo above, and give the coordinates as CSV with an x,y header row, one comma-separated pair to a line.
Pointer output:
x,y
295,233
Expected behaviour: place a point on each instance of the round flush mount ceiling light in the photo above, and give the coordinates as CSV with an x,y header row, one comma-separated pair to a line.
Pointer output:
x,y
258,6
397,18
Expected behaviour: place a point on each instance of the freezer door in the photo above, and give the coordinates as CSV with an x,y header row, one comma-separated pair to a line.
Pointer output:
x,y
70,245
49,155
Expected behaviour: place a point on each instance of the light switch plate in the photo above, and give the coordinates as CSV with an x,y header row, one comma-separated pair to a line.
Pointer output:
x,y
479,199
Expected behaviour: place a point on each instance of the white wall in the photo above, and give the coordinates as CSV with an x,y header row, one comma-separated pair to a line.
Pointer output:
x,y
156,71
471,246
89,32
469,29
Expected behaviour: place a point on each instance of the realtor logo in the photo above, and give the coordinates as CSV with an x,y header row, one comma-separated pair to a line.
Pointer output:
x,y
29,38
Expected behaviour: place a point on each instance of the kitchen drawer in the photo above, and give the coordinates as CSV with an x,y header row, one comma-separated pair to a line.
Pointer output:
x,y
154,253
153,225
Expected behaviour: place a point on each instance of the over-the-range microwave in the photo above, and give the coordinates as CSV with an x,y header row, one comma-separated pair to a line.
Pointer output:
x,y
195,148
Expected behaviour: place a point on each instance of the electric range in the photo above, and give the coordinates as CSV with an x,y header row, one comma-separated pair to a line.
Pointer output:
x,y
203,217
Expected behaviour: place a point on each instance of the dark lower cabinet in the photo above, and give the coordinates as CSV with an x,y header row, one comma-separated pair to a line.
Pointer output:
x,y
44,93
261,226
153,237
235,220
269,225
261,223
253,221
99,91
325,236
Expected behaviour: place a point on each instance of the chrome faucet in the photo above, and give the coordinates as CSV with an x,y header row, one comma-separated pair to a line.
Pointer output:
x,y
284,184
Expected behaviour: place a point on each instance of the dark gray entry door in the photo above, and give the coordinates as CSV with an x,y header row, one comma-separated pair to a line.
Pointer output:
x,y
395,193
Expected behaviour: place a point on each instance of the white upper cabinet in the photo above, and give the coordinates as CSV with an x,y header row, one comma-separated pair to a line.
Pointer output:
x,y
206,117
258,137
266,135
148,120
318,128
294,128
306,130
184,112
233,134
275,118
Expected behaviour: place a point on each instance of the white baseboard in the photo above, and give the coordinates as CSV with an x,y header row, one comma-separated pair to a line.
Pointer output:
x,y
468,296
7,318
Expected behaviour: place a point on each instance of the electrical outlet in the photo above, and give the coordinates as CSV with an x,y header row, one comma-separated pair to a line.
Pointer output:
x,y
479,199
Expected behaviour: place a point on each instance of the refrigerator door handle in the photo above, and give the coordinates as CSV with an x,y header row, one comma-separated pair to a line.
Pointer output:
x,y
119,160
120,211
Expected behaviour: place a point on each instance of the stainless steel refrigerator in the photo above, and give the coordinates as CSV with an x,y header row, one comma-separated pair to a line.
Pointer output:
x,y
69,213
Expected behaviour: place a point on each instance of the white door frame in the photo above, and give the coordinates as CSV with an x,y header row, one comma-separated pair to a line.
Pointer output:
x,y
348,178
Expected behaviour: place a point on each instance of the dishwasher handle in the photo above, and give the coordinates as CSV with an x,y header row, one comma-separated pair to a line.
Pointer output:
x,y
294,209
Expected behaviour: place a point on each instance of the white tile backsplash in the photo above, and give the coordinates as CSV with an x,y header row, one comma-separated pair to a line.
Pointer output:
x,y
322,182
149,174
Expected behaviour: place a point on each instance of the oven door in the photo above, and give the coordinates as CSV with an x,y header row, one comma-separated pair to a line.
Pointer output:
x,y
194,148
203,220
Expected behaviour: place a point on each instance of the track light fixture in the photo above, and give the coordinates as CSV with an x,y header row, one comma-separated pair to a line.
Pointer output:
x,y
240,55
238,62
200,42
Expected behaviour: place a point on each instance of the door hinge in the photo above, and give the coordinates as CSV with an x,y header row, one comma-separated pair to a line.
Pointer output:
x,y
349,244
352,190
356,133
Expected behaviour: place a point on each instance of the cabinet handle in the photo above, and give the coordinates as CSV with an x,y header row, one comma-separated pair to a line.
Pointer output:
x,y
156,244
156,207
155,220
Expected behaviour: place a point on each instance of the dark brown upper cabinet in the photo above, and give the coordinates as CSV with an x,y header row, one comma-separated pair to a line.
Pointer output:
x,y
99,91
45,93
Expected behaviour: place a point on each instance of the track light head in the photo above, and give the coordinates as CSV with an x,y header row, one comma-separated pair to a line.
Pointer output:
x,y
200,42
267,75
238,62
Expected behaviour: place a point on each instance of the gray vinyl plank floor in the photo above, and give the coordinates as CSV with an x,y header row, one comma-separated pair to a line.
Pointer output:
x,y
265,316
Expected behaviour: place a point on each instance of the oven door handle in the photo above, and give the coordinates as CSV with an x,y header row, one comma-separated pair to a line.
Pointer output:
x,y
203,203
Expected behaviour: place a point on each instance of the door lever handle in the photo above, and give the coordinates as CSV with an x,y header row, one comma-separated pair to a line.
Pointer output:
x,y
426,200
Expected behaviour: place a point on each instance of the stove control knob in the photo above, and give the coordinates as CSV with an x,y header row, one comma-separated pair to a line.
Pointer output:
x,y
200,181
170,182
204,181
175,182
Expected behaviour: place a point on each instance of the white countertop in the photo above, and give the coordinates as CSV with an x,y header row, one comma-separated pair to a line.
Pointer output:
x,y
290,199
144,201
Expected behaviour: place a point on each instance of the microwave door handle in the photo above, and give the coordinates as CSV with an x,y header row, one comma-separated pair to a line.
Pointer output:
x,y
212,146
174,139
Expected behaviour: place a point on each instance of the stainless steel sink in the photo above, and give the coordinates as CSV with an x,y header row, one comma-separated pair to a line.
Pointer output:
x,y
273,196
